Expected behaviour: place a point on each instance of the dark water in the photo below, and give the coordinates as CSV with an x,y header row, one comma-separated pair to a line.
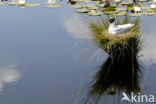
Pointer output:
x,y
41,62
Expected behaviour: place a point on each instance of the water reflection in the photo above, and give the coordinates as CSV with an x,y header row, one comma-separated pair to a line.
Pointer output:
x,y
8,74
121,70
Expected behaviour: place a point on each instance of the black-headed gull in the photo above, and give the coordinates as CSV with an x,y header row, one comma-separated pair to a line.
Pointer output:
x,y
117,29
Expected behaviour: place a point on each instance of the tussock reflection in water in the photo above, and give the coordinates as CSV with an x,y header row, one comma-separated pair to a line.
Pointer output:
x,y
121,71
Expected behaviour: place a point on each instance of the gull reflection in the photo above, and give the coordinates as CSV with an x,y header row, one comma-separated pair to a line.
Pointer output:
x,y
8,74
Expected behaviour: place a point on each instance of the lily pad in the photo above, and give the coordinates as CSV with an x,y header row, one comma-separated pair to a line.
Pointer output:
x,y
126,3
79,1
77,6
121,14
145,7
89,5
1,3
149,13
143,0
32,4
110,12
93,7
54,6
94,13
121,9
98,2
13,3
83,10
151,2
135,14
101,5
150,10
130,8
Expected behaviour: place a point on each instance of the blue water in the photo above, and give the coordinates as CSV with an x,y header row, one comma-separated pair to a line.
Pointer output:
x,y
40,62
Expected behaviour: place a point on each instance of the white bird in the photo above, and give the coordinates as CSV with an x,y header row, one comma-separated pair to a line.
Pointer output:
x,y
137,9
51,2
21,2
118,29
153,6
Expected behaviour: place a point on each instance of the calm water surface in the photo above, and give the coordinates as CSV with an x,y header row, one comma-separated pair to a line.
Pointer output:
x,y
41,62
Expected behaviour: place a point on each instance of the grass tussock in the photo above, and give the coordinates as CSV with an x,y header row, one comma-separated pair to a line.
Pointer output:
x,y
104,40
121,71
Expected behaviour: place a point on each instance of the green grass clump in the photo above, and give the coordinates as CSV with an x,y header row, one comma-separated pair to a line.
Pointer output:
x,y
103,39
121,71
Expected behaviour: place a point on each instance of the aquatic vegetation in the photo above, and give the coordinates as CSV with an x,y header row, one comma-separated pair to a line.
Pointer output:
x,y
135,14
110,12
94,13
126,3
1,3
121,14
93,7
143,0
81,1
98,7
121,9
13,3
98,1
77,6
121,70
108,9
145,7
83,10
32,4
54,6
149,13
100,31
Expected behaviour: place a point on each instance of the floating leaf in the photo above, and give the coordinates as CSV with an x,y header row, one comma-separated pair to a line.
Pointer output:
x,y
1,3
32,4
121,9
121,14
126,3
79,1
54,6
110,12
143,0
77,6
150,10
101,5
13,3
94,13
83,10
145,7
93,7
149,13
135,14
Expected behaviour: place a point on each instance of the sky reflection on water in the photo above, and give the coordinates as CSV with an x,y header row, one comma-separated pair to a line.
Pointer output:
x,y
37,40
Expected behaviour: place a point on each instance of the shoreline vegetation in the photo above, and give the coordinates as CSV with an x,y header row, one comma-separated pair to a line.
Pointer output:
x,y
96,7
